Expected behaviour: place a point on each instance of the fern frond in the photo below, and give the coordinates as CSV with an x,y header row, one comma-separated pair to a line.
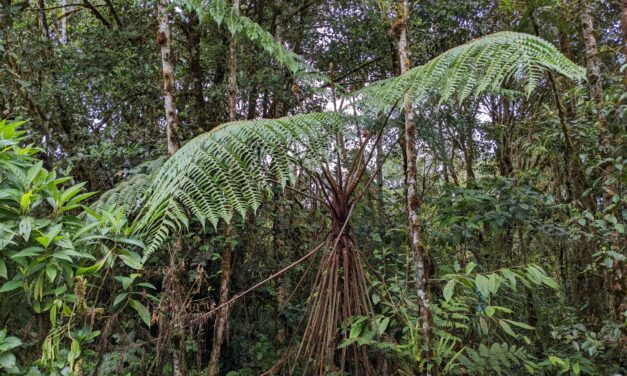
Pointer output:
x,y
237,24
129,194
227,170
483,65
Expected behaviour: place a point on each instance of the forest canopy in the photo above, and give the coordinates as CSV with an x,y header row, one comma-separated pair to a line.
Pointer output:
x,y
310,187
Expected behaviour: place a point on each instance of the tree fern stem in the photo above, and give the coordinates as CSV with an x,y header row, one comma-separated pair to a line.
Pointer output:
x,y
413,200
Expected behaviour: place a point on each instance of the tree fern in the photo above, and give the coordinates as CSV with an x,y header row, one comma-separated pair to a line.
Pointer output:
x,y
226,170
483,65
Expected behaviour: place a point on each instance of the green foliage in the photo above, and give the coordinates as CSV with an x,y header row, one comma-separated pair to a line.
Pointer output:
x,y
237,24
8,362
487,64
497,359
228,170
45,247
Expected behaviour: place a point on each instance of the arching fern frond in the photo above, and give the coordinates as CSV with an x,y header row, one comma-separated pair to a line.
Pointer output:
x,y
486,64
130,193
223,13
228,170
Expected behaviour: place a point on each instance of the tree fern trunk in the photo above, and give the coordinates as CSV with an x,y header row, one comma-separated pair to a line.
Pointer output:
x,y
413,200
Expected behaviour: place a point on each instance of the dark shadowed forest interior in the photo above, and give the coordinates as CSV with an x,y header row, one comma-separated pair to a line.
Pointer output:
x,y
313,187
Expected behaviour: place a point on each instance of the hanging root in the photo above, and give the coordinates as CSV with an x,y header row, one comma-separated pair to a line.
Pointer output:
x,y
340,292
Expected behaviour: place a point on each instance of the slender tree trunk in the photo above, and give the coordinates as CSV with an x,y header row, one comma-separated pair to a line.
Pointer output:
x,y
63,27
43,21
593,68
623,23
169,88
173,143
192,32
277,102
419,252
222,316
233,72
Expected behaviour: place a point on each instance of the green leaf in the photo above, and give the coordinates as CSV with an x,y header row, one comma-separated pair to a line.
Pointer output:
x,y
3,269
483,285
375,299
507,328
355,330
25,200
25,227
141,309
489,311
147,285
12,342
611,219
130,241
448,290
383,325
51,272
89,270
550,282
520,324
7,360
126,281
470,267
30,251
133,260
119,298
11,285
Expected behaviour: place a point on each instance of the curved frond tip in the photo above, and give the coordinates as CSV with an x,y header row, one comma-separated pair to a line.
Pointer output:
x,y
485,64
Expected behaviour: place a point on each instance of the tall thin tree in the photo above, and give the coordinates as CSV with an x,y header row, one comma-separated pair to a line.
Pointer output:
x,y
222,319
418,250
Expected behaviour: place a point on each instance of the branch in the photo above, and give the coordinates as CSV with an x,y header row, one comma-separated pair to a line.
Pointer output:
x,y
96,13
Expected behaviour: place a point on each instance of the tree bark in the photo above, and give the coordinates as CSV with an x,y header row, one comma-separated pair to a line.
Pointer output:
x,y
222,316
233,72
593,68
277,102
419,252
623,23
173,144
191,28
64,38
43,21
169,89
